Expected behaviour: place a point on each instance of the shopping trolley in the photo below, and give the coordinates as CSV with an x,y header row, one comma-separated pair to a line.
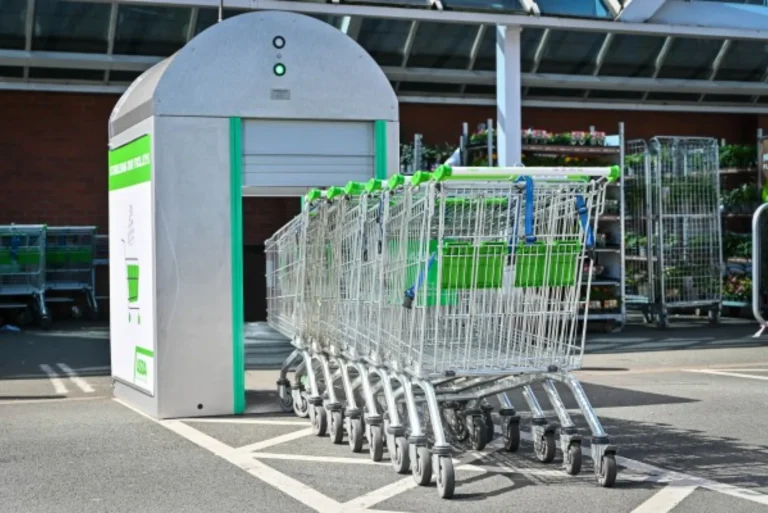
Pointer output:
x,y
69,262
132,279
22,268
445,290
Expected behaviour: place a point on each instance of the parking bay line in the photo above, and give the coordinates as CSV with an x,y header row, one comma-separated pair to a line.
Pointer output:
x,y
727,374
666,499
281,482
265,422
58,384
77,380
288,437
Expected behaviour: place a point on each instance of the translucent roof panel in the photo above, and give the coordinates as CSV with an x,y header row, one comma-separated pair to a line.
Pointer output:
x,y
11,71
442,45
690,58
480,90
631,56
511,6
571,52
748,2
428,87
384,39
71,26
549,92
123,76
673,97
67,74
727,98
486,55
746,61
208,17
616,95
150,30
581,8
13,15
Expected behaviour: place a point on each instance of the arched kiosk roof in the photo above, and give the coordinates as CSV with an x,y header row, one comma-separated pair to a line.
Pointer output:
x,y
228,70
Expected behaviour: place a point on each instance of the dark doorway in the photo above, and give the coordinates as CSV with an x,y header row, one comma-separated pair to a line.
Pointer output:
x,y
254,283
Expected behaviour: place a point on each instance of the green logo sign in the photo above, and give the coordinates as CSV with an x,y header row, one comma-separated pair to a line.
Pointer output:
x,y
141,368
130,164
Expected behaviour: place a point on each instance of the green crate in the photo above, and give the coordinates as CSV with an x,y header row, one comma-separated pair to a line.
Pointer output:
x,y
133,282
24,256
479,267
531,264
63,256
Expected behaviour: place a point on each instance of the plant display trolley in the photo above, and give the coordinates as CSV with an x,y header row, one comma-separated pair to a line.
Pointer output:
x,y
421,297
577,148
673,226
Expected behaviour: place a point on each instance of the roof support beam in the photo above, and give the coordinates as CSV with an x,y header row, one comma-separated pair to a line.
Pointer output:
x,y
717,62
660,58
474,51
474,18
540,49
20,85
404,74
350,25
192,26
613,6
639,11
408,45
600,59
111,35
530,6
29,26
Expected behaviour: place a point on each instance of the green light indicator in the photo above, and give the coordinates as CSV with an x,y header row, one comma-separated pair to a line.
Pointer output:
x,y
279,69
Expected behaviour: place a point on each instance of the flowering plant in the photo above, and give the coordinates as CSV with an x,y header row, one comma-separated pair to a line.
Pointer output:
x,y
579,138
597,139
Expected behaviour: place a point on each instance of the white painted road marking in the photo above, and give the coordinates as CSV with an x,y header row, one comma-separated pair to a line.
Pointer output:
x,y
288,437
80,382
286,484
246,420
728,374
58,385
666,499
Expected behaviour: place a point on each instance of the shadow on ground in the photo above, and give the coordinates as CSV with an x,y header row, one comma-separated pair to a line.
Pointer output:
x,y
81,346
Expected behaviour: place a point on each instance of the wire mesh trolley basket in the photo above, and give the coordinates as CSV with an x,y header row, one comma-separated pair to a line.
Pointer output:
x,y
421,297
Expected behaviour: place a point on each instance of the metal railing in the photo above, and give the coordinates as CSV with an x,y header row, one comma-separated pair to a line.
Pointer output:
x,y
758,259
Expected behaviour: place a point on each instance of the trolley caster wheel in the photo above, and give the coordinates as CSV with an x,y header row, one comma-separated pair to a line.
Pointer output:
x,y
286,404
422,465
490,428
301,408
355,434
45,322
572,459
446,477
376,443
606,476
319,420
337,427
512,435
545,448
478,435
459,428
400,456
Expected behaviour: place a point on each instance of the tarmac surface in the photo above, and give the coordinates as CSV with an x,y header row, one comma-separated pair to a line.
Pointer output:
x,y
689,424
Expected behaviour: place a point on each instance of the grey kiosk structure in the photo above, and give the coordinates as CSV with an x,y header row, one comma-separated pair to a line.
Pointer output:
x,y
262,104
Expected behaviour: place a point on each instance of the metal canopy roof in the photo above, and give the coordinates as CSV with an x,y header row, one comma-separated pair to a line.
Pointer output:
x,y
432,50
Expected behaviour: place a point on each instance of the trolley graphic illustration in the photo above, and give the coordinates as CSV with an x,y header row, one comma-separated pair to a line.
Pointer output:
x,y
132,276
412,302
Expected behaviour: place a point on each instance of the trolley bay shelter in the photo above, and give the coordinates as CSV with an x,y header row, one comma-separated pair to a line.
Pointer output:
x,y
185,146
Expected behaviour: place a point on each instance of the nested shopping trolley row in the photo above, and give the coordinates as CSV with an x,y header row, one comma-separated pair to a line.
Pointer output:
x,y
38,259
416,304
